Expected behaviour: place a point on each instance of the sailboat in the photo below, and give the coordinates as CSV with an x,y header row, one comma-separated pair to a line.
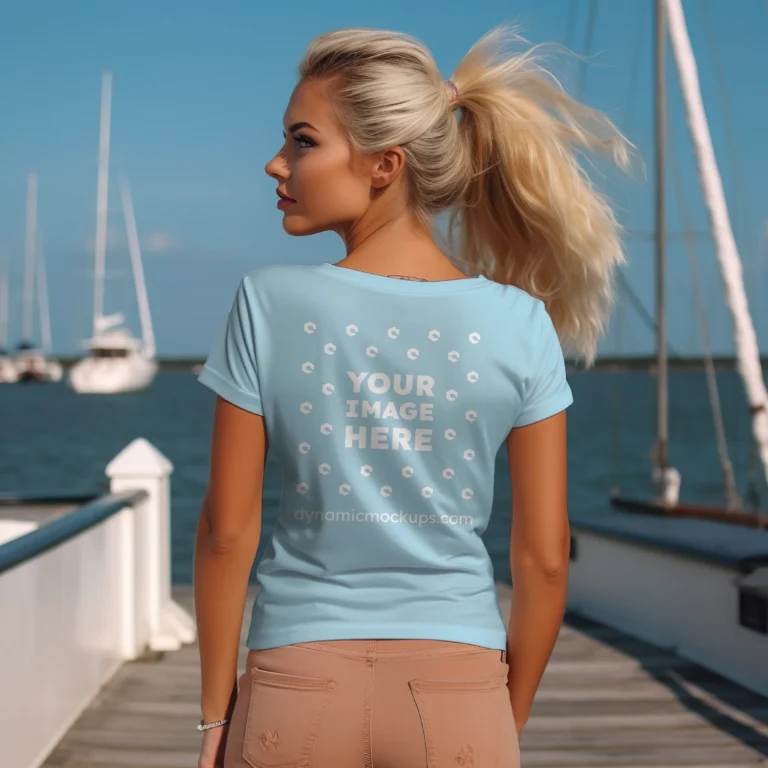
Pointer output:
x,y
8,372
116,360
666,479
31,361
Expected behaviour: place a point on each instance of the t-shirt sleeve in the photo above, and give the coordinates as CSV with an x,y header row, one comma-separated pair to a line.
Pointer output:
x,y
548,391
231,369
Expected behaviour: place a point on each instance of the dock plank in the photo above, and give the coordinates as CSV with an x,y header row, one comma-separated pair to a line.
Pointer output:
x,y
606,700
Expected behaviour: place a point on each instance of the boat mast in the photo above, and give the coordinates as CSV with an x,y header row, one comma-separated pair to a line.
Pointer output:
x,y
29,257
4,278
745,339
660,229
100,244
42,300
147,334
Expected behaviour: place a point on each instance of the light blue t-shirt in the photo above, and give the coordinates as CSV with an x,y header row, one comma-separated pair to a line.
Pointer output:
x,y
385,402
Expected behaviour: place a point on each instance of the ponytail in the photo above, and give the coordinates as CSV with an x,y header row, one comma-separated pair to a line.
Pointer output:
x,y
530,216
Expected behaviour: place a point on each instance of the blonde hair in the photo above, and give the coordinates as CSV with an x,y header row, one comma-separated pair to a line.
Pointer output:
x,y
507,170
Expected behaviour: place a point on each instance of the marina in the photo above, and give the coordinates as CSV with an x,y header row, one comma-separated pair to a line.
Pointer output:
x,y
662,659
654,666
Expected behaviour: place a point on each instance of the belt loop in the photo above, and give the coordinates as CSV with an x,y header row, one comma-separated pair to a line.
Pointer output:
x,y
503,657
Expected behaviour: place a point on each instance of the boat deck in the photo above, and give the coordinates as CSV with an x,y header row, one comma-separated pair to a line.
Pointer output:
x,y
605,700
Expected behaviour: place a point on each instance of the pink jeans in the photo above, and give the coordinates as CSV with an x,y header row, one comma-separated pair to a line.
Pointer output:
x,y
374,704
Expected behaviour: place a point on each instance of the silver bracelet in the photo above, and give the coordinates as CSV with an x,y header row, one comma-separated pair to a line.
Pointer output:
x,y
205,726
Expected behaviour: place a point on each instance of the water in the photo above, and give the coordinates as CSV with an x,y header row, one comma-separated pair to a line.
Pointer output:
x,y
55,441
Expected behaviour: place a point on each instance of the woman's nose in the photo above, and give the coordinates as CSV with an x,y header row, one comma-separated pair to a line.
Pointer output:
x,y
277,168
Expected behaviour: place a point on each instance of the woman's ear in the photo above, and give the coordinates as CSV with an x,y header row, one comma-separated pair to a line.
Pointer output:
x,y
390,165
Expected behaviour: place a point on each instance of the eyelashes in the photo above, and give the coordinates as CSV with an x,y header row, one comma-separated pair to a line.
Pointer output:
x,y
304,142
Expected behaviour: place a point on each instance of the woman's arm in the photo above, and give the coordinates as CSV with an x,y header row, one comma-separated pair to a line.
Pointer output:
x,y
539,554
228,535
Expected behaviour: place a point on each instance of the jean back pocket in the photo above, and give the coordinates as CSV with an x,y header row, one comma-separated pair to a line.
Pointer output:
x,y
284,717
461,720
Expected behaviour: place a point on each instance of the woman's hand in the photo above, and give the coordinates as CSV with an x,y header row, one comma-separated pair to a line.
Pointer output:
x,y
212,748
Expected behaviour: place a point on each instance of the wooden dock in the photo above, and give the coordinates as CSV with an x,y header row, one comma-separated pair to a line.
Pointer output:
x,y
605,700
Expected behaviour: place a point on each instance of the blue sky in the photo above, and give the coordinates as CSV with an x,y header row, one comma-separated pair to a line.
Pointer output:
x,y
198,96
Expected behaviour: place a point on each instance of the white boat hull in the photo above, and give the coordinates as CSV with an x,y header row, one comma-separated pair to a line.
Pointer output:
x,y
109,376
55,370
8,372
35,368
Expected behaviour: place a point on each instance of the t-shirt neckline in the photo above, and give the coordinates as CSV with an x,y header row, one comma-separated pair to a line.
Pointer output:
x,y
372,280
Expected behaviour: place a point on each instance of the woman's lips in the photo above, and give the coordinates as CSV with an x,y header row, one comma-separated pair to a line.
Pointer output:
x,y
284,201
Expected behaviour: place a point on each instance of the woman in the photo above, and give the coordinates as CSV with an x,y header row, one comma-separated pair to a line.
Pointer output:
x,y
385,384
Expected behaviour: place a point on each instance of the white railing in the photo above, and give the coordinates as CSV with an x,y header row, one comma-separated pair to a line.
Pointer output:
x,y
78,597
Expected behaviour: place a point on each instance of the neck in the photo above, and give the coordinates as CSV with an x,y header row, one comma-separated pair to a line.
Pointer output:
x,y
398,245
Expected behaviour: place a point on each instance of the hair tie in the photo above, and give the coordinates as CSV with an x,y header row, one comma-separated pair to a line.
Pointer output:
x,y
452,90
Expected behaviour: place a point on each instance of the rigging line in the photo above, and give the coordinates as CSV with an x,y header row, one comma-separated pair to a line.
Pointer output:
x,y
5,278
742,216
586,49
738,186
742,213
637,49
634,67
637,303
616,402
639,234
584,71
619,326
732,499
42,299
570,24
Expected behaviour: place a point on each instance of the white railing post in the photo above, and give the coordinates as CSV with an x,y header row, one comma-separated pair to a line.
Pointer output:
x,y
132,639
141,466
